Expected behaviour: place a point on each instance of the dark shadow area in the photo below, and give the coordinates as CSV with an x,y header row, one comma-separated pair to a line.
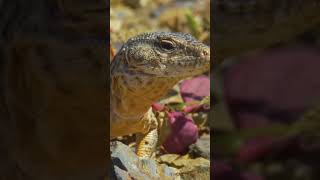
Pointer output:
x,y
53,89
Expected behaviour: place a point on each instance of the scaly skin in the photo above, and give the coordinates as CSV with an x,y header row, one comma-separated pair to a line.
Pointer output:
x,y
145,68
51,78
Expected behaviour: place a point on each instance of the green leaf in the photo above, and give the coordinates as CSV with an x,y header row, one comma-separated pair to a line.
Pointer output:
x,y
192,24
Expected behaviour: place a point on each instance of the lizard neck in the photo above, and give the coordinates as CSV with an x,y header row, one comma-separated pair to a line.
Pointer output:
x,y
133,94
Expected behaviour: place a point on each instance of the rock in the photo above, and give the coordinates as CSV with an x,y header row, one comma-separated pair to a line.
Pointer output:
x,y
200,172
201,147
121,174
136,3
126,165
198,168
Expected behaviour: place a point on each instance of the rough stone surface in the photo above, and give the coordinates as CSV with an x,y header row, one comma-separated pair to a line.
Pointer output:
x,y
128,166
198,168
201,147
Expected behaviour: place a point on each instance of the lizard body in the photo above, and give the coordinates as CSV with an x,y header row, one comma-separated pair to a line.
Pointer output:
x,y
51,36
146,67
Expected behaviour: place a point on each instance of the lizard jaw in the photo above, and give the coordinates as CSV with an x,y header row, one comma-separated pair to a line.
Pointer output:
x,y
186,66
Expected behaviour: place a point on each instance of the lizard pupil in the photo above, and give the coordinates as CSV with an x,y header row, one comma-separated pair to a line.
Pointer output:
x,y
167,45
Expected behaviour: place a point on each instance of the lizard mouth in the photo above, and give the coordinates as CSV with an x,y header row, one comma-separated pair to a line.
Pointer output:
x,y
190,62
180,68
188,65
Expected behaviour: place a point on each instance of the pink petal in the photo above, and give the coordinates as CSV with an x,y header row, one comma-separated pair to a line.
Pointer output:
x,y
195,89
191,108
157,107
184,133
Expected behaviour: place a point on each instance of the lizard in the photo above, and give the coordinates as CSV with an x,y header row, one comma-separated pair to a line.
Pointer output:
x,y
37,23
145,69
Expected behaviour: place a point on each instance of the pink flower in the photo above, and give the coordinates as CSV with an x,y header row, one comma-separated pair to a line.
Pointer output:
x,y
183,133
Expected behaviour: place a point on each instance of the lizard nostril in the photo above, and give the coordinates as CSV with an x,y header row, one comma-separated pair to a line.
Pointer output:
x,y
205,53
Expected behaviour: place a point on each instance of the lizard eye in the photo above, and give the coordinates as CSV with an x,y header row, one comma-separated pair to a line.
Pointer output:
x,y
167,45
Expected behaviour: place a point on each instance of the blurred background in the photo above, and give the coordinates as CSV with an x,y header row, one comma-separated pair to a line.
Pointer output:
x,y
266,92
131,17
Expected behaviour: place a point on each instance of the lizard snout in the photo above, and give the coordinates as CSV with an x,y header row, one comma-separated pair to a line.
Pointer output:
x,y
205,52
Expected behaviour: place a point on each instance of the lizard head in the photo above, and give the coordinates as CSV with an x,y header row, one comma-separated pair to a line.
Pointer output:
x,y
165,54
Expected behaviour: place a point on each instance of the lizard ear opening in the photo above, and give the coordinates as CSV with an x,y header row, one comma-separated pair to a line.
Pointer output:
x,y
119,62
122,55
125,51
